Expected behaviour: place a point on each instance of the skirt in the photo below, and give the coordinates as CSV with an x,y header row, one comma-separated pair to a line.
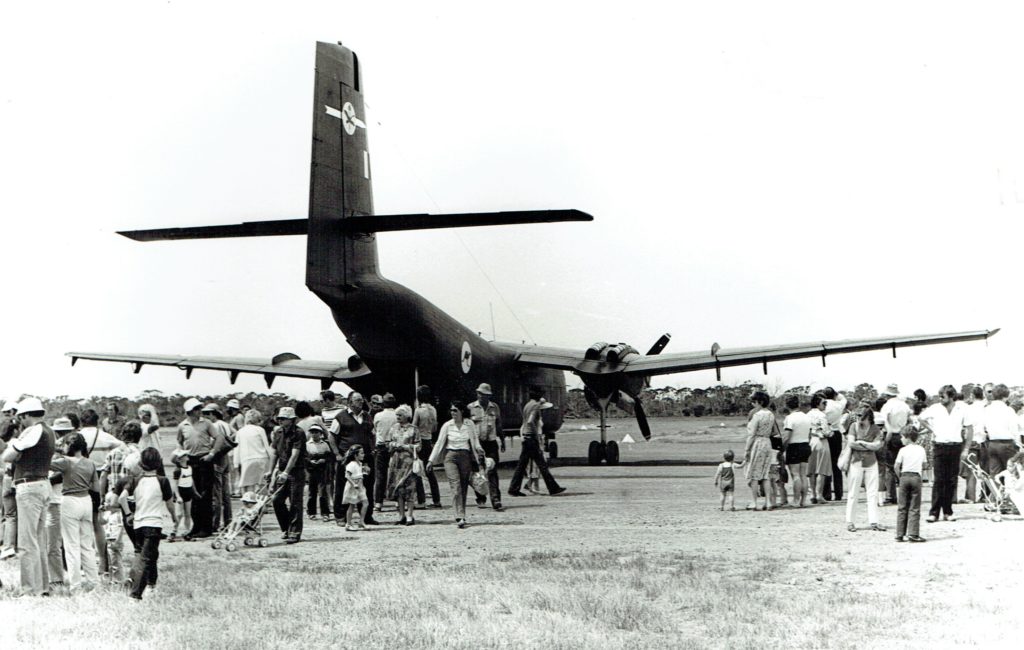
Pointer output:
x,y
401,481
797,453
354,495
820,460
760,460
253,471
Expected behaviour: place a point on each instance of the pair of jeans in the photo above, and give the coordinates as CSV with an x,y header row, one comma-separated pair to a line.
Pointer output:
x,y
491,451
288,506
999,454
317,480
54,552
832,489
947,470
79,541
221,501
144,572
203,478
908,517
531,451
33,500
382,458
458,465
435,492
869,476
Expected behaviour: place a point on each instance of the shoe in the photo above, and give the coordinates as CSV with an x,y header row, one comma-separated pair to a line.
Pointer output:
x,y
372,522
814,501
8,553
312,517
481,504
558,490
851,528
401,522
378,506
340,522
285,536
352,528
461,523
900,538
411,522
878,527
517,493
499,508
435,506
932,519
915,538
135,597
293,540
949,518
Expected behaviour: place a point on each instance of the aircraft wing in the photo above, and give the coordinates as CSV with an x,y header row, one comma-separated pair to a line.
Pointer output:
x,y
717,357
282,365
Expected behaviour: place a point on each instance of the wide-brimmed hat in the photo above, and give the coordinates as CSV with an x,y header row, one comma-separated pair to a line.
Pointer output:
x,y
63,424
190,404
484,389
10,405
211,407
286,413
315,427
249,497
233,404
891,389
30,405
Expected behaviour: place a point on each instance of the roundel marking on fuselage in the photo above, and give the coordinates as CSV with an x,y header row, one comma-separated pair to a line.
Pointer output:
x,y
467,357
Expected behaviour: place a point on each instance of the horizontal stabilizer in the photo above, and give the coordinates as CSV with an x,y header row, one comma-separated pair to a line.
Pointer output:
x,y
247,229
395,222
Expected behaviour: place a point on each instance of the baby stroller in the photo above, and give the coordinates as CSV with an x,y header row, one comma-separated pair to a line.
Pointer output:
x,y
997,501
249,522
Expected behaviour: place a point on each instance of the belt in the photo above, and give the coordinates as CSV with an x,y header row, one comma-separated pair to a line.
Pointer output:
x,y
948,444
19,481
910,473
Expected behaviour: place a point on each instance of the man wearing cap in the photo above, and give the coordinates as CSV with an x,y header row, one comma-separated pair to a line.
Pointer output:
x,y
235,418
487,417
223,443
198,438
895,415
351,426
530,431
54,555
288,458
382,423
30,454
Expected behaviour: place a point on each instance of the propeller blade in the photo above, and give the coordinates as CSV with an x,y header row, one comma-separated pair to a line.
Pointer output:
x,y
641,418
660,344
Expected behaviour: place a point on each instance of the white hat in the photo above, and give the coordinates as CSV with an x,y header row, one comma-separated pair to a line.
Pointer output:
x,y
63,424
190,404
286,413
892,389
30,405
484,389
10,405
233,404
211,407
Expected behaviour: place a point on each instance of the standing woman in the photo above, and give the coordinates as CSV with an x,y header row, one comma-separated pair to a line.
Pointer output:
x,y
150,423
458,443
864,438
757,455
76,526
819,464
403,444
926,439
253,452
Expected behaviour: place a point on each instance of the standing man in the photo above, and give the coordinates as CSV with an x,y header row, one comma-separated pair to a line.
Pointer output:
x,y
198,437
1002,429
531,446
351,426
835,406
425,421
288,458
330,408
114,421
31,454
382,423
946,421
9,430
895,415
979,439
224,440
487,418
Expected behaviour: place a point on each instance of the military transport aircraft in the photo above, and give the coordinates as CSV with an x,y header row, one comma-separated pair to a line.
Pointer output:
x,y
402,340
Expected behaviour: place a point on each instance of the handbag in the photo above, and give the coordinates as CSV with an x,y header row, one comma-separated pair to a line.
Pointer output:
x,y
417,467
844,459
479,482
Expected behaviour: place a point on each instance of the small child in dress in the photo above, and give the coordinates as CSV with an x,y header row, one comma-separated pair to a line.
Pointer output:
x,y
355,492
725,479
184,492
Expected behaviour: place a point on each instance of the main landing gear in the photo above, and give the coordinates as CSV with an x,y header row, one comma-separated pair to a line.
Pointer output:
x,y
606,450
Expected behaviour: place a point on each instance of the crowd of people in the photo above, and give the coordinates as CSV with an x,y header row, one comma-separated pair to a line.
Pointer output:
x,y
889,447
78,489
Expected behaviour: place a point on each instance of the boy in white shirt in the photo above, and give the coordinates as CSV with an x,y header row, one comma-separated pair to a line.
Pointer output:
x,y
908,466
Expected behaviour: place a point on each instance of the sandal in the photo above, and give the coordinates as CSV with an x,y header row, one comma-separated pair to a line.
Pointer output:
x,y
878,527
851,528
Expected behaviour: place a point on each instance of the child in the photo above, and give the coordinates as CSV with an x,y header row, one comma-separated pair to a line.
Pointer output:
x,y
725,479
249,505
909,467
779,476
152,495
355,491
185,491
317,454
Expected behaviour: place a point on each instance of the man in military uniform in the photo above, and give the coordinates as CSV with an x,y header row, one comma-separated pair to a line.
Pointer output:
x,y
487,418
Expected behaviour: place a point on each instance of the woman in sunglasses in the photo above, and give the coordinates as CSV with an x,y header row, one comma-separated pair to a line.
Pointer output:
x,y
459,444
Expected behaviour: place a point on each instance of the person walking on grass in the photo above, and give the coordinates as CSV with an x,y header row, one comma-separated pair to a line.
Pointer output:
x,y
530,432
758,453
457,444
354,496
425,421
351,426
487,417
253,451
382,423
725,480
30,454
864,439
908,467
290,459
403,446
198,436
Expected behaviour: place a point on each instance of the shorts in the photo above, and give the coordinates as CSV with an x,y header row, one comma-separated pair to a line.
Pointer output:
x,y
727,487
797,453
187,494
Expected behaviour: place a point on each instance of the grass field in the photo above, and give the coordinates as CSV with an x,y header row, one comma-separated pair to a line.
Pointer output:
x,y
630,557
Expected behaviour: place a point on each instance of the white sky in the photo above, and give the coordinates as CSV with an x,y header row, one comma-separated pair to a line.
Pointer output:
x,y
758,173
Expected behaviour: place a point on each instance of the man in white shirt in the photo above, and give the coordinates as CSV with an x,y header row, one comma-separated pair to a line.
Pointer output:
x,y
1002,430
978,448
945,419
835,406
895,414
99,443
382,423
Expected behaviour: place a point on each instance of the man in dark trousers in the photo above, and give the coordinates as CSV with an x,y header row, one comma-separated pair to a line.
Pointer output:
x,y
530,432
351,426
487,418
289,462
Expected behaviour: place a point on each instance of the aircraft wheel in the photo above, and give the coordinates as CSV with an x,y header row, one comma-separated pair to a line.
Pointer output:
x,y
594,453
552,450
611,453
263,542
231,547
216,544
